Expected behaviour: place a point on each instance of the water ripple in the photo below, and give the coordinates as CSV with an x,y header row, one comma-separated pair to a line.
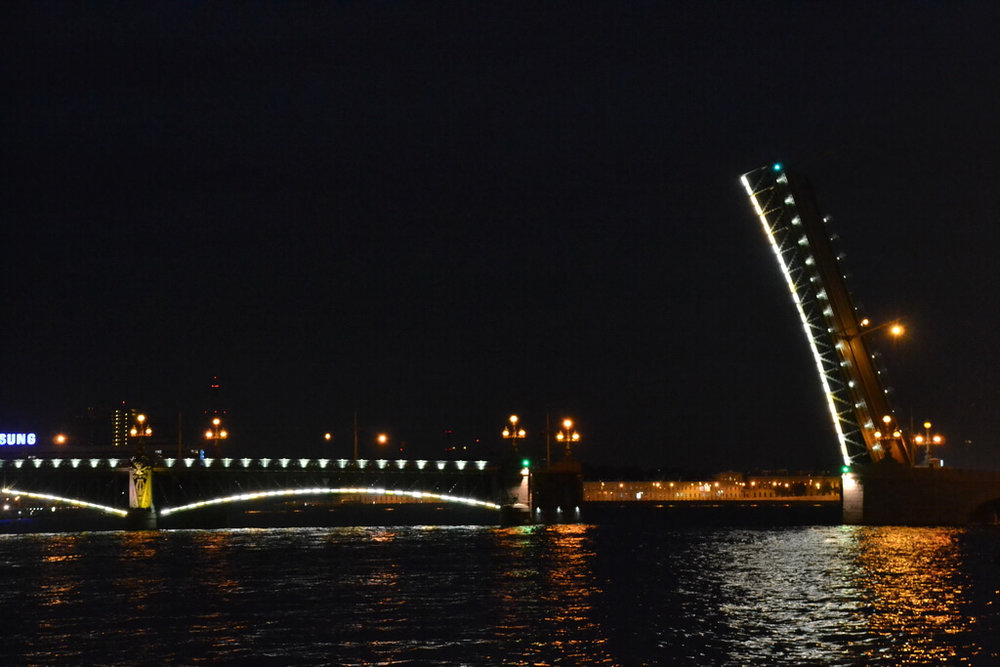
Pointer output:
x,y
557,595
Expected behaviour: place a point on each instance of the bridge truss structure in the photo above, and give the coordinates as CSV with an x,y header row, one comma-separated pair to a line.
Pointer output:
x,y
866,428
191,484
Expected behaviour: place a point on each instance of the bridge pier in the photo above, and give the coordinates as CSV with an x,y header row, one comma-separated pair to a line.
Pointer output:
x,y
141,519
517,512
141,515
557,493
889,494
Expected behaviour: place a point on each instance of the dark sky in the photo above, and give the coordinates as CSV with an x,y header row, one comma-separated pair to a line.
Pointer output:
x,y
439,214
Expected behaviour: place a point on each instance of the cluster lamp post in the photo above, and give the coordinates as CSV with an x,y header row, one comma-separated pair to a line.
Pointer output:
x,y
141,428
568,435
513,433
889,433
927,439
216,433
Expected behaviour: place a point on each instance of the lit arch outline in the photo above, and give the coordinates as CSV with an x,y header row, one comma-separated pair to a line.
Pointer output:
x,y
76,502
321,491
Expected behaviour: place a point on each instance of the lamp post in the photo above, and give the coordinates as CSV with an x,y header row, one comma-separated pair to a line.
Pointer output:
x,y
215,433
895,328
140,429
513,433
927,439
889,433
568,435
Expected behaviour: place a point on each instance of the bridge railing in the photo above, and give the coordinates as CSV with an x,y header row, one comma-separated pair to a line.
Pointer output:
x,y
299,463
260,463
55,463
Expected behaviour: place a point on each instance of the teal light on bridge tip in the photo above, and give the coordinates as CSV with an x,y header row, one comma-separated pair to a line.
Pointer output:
x,y
777,166
845,469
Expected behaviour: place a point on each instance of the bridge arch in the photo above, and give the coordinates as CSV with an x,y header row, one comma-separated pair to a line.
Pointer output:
x,y
75,502
327,491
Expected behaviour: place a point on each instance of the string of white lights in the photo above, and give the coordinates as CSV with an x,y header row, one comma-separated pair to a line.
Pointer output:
x,y
69,501
817,357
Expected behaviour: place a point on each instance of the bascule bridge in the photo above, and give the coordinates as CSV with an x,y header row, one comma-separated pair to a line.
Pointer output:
x,y
883,481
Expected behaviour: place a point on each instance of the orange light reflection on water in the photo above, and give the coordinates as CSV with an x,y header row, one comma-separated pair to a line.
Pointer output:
x,y
553,564
58,588
913,579
211,557
140,589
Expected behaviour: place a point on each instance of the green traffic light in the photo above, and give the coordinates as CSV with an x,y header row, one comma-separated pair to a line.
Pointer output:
x,y
845,469
525,463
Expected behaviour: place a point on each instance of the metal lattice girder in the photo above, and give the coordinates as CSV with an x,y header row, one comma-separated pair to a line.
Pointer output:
x,y
182,484
789,215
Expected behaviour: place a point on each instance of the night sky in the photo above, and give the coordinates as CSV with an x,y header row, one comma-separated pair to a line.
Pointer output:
x,y
439,214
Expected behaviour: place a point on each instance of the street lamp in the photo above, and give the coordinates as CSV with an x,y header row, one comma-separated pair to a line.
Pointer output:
x,y
513,433
889,433
895,328
568,435
140,429
383,439
215,433
927,439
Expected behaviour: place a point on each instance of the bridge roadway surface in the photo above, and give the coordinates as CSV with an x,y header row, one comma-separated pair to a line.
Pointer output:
x,y
221,487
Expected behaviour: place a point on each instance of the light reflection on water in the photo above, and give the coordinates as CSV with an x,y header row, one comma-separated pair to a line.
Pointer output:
x,y
914,581
615,594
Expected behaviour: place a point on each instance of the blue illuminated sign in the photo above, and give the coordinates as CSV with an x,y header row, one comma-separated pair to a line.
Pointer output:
x,y
14,439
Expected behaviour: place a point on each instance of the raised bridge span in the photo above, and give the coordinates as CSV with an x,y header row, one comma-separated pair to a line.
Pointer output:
x,y
165,492
884,481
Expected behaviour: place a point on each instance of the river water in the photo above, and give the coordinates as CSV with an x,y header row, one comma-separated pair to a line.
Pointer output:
x,y
618,593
